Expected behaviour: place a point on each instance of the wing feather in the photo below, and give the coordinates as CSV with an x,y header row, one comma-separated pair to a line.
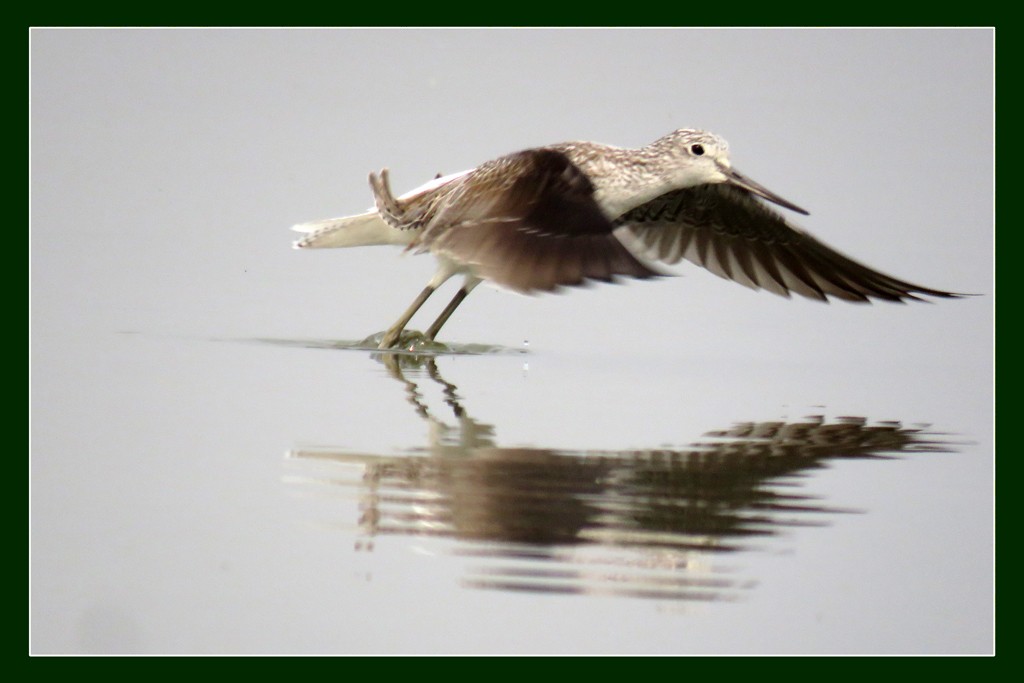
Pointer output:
x,y
735,235
529,222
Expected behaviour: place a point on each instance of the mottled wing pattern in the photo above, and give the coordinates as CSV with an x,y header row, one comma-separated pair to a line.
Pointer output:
x,y
412,213
736,236
529,222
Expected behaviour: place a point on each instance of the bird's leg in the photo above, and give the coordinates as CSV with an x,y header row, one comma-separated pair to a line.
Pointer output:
x,y
394,332
467,287
445,270
432,331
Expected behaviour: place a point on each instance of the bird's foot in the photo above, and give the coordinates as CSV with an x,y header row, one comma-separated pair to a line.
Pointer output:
x,y
391,339
403,340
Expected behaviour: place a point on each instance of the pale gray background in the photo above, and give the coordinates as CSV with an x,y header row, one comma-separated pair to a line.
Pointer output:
x,y
167,166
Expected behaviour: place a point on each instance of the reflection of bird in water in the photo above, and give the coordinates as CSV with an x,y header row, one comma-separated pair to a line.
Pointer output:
x,y
569,213
638,522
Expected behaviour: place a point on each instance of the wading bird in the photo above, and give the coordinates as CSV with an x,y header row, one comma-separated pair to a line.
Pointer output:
x,y
555,216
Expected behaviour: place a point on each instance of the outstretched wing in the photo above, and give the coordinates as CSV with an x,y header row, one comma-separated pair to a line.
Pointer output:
x,y
529,222
736,236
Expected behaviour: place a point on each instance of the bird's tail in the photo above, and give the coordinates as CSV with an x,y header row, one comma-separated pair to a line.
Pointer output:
x,y
364,230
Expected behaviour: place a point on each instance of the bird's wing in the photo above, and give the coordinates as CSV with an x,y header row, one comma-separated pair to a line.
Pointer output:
x,y
369,228
529,222
734,235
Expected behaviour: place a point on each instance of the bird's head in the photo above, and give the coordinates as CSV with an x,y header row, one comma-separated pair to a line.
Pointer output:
x,y
696,157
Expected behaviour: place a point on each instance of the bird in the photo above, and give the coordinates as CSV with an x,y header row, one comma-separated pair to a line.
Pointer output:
x,y
569,213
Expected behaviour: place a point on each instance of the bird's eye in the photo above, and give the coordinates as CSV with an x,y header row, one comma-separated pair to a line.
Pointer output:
x,y
697,149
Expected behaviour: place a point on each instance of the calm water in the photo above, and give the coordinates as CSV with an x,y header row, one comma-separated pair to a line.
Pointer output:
x,y
680,466
655,522
237,496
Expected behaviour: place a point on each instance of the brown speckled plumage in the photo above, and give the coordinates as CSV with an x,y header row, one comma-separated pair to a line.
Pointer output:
x,y
568,213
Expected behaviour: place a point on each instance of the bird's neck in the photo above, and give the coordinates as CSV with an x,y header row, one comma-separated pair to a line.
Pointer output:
x,y
623,178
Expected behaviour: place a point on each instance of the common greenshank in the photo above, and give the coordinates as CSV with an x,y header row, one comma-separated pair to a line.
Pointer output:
x,y
561,215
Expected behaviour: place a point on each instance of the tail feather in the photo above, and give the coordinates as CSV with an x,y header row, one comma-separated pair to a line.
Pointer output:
x,y
363,230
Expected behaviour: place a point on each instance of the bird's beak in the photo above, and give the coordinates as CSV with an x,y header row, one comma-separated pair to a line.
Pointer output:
x,y
734,177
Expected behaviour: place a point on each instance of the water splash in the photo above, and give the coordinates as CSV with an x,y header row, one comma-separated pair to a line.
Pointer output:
x,y
412,342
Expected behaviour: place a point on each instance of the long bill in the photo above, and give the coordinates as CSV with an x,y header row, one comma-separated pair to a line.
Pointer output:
x,y
734,177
